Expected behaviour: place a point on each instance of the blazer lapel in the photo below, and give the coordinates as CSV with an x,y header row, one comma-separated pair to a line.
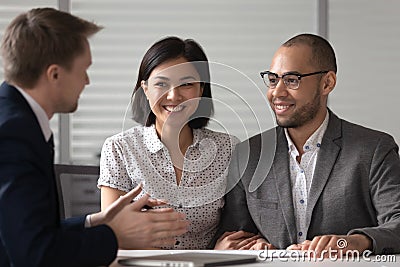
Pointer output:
x,y
327,156
281,173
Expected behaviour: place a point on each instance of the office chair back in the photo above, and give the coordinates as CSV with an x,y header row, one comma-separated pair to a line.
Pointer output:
x,y
77,184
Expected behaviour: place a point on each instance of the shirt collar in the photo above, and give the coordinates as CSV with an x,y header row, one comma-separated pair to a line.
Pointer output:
x,y
151,140
39,113
154,144
314,141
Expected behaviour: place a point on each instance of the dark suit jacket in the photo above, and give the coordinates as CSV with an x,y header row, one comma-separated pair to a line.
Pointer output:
x,y
355,188
31,233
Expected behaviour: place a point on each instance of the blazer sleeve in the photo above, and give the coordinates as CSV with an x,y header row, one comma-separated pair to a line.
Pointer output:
x,y
31,232
235,215
385,194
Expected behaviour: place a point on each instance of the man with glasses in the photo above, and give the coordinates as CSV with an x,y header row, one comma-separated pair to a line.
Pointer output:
x,y
333,185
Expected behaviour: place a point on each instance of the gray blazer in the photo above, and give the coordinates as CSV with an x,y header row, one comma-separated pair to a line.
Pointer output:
x,y
355,188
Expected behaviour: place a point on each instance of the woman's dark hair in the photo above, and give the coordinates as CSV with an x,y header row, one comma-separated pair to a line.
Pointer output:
x,y
160,52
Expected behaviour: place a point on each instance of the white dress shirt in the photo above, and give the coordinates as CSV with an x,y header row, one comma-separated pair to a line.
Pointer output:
x,y
301,174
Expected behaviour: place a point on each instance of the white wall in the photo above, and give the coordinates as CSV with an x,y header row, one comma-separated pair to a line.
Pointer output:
x,y
366,37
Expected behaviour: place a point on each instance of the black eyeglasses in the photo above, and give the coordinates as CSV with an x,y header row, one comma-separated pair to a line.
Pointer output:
x,y
291,80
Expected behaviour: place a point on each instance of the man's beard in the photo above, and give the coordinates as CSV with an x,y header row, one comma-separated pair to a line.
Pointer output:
x,y
303,115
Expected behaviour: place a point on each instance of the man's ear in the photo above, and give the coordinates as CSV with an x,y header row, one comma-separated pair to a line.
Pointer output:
x,y
329,83
52,72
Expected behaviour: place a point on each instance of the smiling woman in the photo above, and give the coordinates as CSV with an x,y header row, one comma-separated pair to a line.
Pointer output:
x,y
172,154
174,88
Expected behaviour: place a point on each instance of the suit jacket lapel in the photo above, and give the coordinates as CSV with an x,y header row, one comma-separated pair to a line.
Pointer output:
x,y
327,156
281,173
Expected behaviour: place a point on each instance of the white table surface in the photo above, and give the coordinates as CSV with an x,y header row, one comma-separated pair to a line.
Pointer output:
x,y
278,258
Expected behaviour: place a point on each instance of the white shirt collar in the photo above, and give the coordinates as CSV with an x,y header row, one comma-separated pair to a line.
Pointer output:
x,y
151,139
39,113
154,144
314,140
